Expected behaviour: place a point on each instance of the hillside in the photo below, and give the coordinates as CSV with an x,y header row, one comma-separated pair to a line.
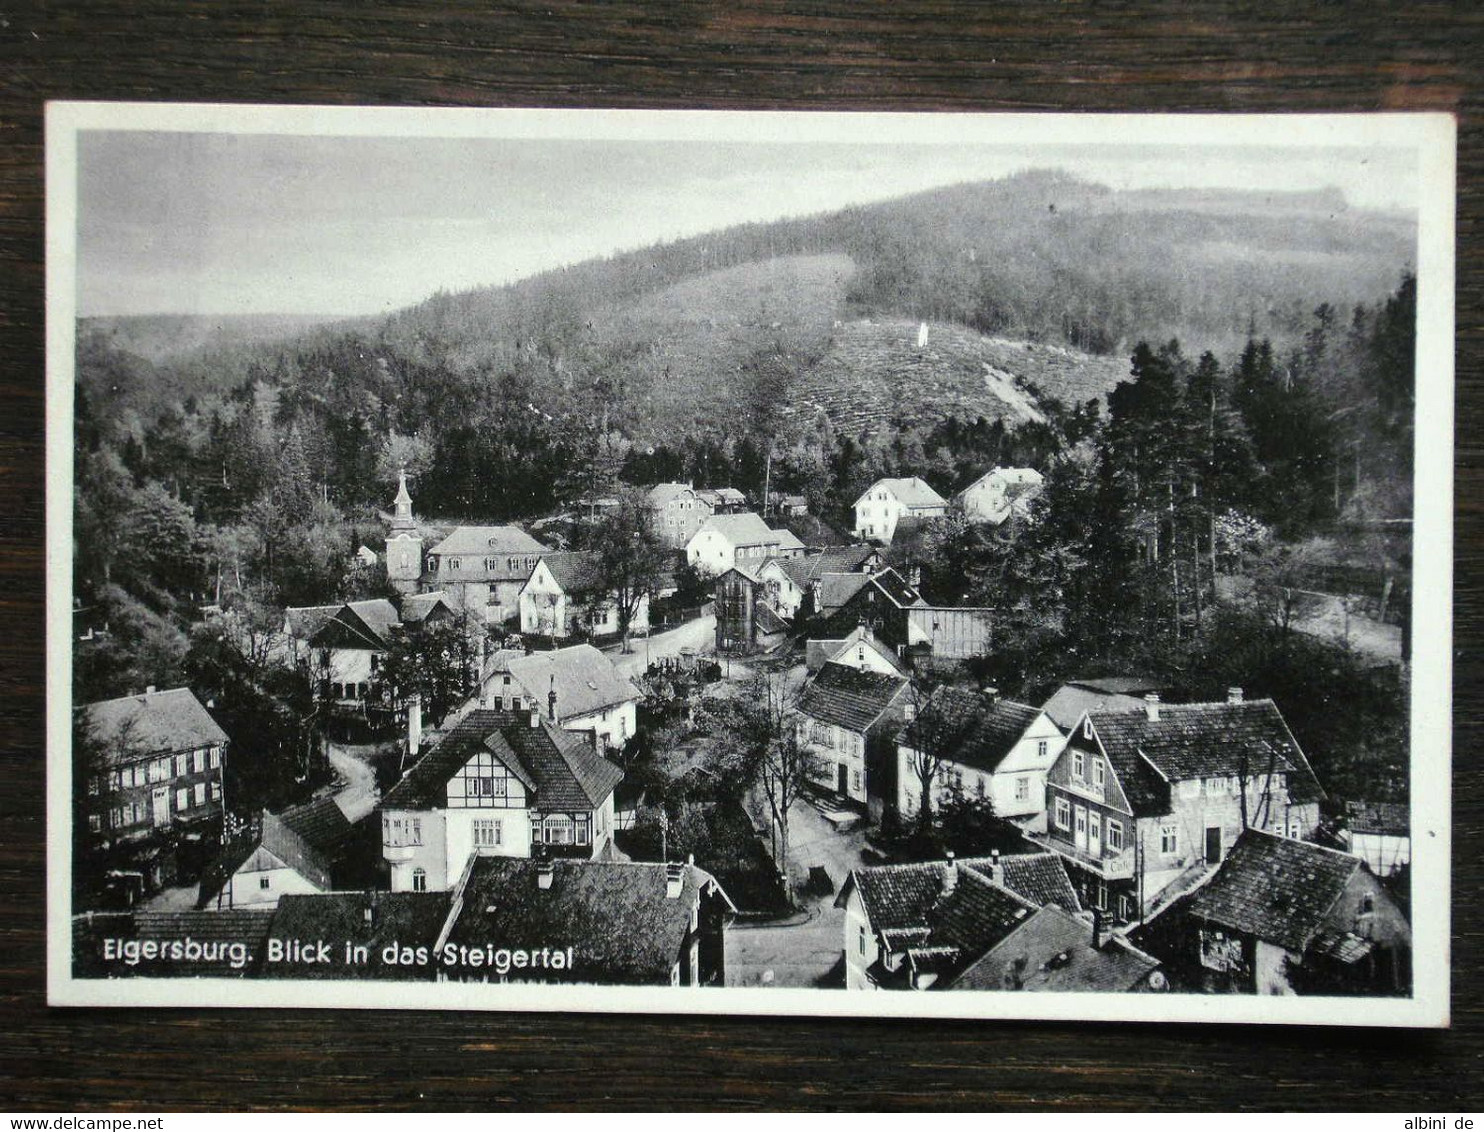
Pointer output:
x,y
162,338
874,373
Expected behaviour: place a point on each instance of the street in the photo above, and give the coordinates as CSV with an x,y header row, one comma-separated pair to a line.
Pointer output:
x,y
699,635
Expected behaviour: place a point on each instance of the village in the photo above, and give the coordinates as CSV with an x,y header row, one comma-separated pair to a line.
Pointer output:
x,y
728,745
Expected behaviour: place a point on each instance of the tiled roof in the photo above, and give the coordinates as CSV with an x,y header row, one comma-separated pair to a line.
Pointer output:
x,y
836,589
849,697
409,919
1206,740
1120,685
730,496
1069,702
768,621
576,571
812,530
898,897
304,621
1053,951
911,491
134,726
895,587
975,914
661,493
817,653
744,529
1040,878
802,571
479,541
561,767
321,823
971,728
584,680
787,540
616,917
274,835
219,930
417,607
1275,888
358,624
1390,818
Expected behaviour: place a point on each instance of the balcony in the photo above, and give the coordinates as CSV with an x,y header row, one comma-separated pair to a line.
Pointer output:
x,y
395,853
1109,866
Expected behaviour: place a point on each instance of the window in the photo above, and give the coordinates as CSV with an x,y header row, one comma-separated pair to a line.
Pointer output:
x,y
1169,839
95,784
1215,786
1079,764
981,787
855,780
559,830
1023,788
265,882
1041,748
200,793
582,829
182,764
860,939
198,759
419,880
1097,774
215,790
159,770
182,799
455,563
116,818
1087,728
1125,907
1063,813
487,833
1295,830
1102,896
1115,835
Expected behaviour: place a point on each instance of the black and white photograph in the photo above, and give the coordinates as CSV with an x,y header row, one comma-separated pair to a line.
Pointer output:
x,y
738,562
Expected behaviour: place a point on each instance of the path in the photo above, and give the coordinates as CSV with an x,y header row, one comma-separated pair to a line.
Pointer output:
x,y
352,762
699,635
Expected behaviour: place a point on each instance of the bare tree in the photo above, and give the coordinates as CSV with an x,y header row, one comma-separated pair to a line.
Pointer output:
x,y
932,734
630,557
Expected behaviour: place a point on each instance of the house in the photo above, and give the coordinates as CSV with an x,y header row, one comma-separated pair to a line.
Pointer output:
x,y
576,687
341,646
483,569
725,500
790,580
591,922
372,935
832,590
679,511
1052,950
427,609
782,504
1380,834
724,541
566,595
498,783
1140,800
1112,693
979,745
859,648
847,720
998,494
1282,916
900,617
365,557
886,501
159,766
278,854
924,924
745,622
194,944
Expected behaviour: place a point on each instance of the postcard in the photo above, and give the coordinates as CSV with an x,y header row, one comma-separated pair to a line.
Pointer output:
x,y
731,563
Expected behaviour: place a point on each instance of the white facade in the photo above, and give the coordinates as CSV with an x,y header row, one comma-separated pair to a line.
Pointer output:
x,y
988,499
261,880
615,725
878,511
547,609
838,757
1016,787
861,946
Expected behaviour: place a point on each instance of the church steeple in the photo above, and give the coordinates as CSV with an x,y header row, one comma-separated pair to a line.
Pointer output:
x,y
404,545
402,514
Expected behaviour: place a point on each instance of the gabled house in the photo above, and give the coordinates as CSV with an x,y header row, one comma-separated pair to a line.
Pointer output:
x,y
427,609
577,688
1052,950
978,745
159,766
887,501
847,720
998,494
588,922
278,854
500,784
789,580
921,925
483,569
860,648
745,622
341,646
724,541
1282,916
1145,801
1380,834
893,609
679,511
1108,693
566,596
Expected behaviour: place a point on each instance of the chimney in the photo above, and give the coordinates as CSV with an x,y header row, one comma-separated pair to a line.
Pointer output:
x,y
674,881
991,694
545,874
551,699
950,873
535,716
414,724
996,870
149,690
1234,695
1151,706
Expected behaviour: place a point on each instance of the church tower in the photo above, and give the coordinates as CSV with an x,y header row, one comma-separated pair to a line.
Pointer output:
x,y
404,545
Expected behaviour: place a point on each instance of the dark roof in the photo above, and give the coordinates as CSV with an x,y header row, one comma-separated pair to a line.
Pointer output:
x,y
616,917
818,653
975,914
584,680
971,728
1275,888
768,620
576,571
890,583
218,931
358,624
1390,818
419,607
409,919
849,697
134,726
1120,685
897,897
1199,741
812,531
481,542
321,823
305,621
561,767
274,835
833,560
1053,951
836,589
1039,877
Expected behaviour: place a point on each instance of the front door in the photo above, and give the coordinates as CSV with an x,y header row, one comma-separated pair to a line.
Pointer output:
x,y
842,776
1095,835
1079,824
161,801
1213,845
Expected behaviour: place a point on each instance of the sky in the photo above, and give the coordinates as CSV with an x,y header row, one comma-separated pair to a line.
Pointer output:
x,y
234,223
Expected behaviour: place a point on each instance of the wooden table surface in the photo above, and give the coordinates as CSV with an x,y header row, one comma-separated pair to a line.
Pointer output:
x,y
1189,56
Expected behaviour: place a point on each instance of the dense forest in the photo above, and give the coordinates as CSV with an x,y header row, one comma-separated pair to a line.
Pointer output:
x,y
1228,404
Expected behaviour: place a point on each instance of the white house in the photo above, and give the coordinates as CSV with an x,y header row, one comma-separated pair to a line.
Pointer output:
x,y
500,784
861,649
724,541
565,597
847,720
577,688
271,859
341,646
982,746
787,580
887,501
997,494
